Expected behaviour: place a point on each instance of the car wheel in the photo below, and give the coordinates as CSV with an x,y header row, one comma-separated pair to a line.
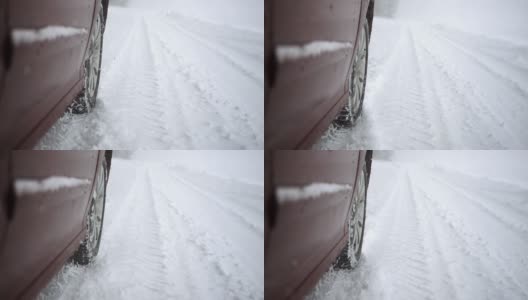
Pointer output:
x,y
89,247
349,257
357,83
86,99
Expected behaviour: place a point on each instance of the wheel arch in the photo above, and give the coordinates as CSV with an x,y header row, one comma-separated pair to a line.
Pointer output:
x,y
370,16
105,8
108,157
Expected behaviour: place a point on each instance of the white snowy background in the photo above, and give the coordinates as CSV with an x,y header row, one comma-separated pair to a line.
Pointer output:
x,y
175,75
176,229
441,225
444,74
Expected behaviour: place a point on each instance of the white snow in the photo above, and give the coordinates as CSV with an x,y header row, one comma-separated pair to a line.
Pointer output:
x,y
174,232
308,192
25,186
286,53
175,76
441,225
444,75
27,36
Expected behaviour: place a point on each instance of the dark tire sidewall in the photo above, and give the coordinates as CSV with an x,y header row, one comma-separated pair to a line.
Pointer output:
x,y
86,252
367,41
366,177
93,101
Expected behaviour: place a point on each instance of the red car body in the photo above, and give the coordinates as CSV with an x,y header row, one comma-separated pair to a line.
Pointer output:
x,y
302,97
39,80
39,232
303,238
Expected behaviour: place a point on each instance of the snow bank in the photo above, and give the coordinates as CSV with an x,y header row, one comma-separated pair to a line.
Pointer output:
x,y
25,187
48,33
311,191
315,48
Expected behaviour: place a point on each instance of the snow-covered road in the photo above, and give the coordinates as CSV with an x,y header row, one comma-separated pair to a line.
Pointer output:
x,y
172,81
433,232
172,233
434,86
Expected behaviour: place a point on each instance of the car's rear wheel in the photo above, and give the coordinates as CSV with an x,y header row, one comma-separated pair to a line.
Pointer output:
x,y
86,99
350,255
89,247
356,83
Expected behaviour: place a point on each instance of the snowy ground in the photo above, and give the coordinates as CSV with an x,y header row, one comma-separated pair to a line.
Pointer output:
x,y
171,232
444,75
175,76
451,226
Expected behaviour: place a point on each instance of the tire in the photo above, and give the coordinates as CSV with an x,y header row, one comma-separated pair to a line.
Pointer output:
x,y
350,255
89,247
86,100
357,82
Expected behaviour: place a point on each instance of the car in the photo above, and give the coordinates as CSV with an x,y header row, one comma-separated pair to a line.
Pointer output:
x,y
50,62
316,58
315,206
51,212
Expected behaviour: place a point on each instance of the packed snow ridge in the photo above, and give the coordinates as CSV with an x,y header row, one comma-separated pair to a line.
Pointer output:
x,y
311,191
25,187
48,33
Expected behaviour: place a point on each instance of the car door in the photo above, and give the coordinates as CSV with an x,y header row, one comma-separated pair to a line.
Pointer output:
x,y
307,90
45,220
3,52
306,232
48,39
4,204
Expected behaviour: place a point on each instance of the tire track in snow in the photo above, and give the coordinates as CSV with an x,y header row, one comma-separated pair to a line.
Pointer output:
x,y
177,256
445,287
155,275
254,77
401,252
504,52
461,93
512,84
212,252
415,279
213,266
521,232
217,185
157,106
404,112
255,228
436,109
505,120
241,41
478,260
171,98
200,91
210,99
